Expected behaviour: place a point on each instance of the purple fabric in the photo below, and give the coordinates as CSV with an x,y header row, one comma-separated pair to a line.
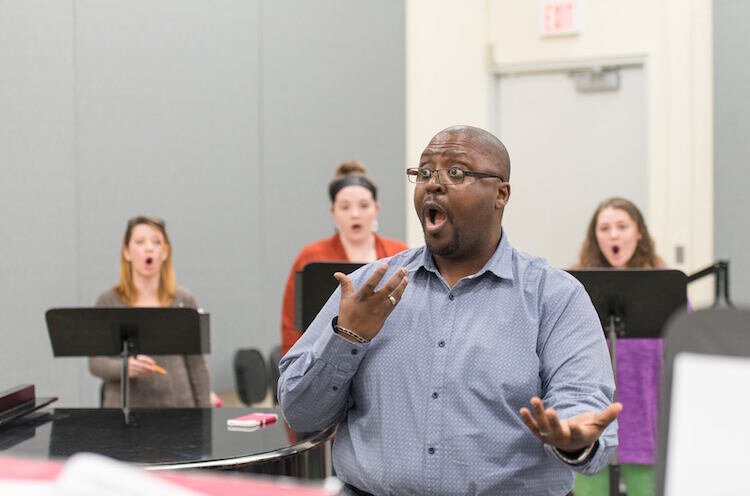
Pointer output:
x,y
639,367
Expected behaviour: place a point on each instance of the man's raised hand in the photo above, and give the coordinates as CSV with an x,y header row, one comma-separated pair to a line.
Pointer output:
x,y
366,310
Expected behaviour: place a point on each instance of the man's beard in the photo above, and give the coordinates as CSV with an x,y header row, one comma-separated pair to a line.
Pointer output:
x,y
447,250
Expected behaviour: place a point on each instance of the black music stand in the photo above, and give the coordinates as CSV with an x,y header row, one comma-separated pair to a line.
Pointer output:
x,y
313,286
125,332
632,303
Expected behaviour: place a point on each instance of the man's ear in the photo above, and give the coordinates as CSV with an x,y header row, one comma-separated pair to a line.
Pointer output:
x,y
503,195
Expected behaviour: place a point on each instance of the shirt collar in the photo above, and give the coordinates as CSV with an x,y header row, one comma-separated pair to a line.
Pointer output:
x,y
500,263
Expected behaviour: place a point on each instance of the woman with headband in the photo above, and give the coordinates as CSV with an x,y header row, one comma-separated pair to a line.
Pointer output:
x,y
354,207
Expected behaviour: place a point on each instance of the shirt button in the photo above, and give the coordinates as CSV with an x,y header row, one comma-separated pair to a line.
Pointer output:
x,y
354,351
450,296
441,343
335,388
431,451
434,395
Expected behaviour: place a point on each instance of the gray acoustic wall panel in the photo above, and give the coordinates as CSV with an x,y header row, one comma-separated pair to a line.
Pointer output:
x,y
224,118
731,146
168,125
39,251
333,84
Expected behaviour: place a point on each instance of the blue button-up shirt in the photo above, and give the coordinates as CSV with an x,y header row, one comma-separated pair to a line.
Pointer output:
x,y
431,404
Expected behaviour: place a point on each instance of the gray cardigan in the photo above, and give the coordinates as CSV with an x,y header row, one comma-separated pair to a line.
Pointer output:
x,y
186,383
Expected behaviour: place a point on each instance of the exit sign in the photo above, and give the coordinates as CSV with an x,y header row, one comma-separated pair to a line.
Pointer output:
x,y
560,17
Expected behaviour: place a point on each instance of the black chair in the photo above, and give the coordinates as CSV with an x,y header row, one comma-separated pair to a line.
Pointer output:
x,y
250,378
273,371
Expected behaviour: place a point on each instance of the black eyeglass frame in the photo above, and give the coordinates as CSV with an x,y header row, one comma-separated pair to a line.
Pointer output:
x,y
412,173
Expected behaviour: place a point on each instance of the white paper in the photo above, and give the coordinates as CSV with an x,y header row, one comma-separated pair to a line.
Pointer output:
x,y
709,433
27,488
86,474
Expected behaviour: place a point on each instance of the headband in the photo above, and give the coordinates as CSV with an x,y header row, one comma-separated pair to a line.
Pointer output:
x,y
351,180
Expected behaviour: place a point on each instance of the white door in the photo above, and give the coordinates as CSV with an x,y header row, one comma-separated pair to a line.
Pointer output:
x,y
569,150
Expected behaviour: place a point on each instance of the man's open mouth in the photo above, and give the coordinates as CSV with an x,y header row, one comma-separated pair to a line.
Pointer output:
x,y
435,216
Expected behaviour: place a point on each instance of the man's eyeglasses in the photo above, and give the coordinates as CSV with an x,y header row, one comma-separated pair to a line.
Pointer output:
x,y
453,175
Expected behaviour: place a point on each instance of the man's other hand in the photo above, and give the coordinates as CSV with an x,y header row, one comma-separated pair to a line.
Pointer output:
x,y
571,434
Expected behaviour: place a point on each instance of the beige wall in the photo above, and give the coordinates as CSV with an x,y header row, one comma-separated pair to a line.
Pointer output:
x,y
447,81
454,46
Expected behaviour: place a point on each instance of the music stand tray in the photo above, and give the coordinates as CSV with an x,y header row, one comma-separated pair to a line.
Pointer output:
x,y
314,284
640,300
632,303
94,331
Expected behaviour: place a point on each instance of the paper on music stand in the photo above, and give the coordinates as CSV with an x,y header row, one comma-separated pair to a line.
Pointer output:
x,y
708,428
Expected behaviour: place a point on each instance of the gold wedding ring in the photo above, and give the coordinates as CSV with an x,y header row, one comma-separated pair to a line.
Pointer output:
x,y
392,299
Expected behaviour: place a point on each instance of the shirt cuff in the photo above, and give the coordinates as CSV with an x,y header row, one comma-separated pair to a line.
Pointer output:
x,y
584,457
338,352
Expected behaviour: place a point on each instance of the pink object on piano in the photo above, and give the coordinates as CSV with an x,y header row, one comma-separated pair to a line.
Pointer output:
x,y
252,420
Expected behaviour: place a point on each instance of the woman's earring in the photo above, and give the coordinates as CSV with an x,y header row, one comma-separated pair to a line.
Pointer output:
x,y
375,225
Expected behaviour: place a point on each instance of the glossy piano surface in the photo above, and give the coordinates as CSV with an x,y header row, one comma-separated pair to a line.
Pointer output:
x,y
174,438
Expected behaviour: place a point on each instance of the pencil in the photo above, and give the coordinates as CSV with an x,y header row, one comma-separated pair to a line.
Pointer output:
x,y
159,369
